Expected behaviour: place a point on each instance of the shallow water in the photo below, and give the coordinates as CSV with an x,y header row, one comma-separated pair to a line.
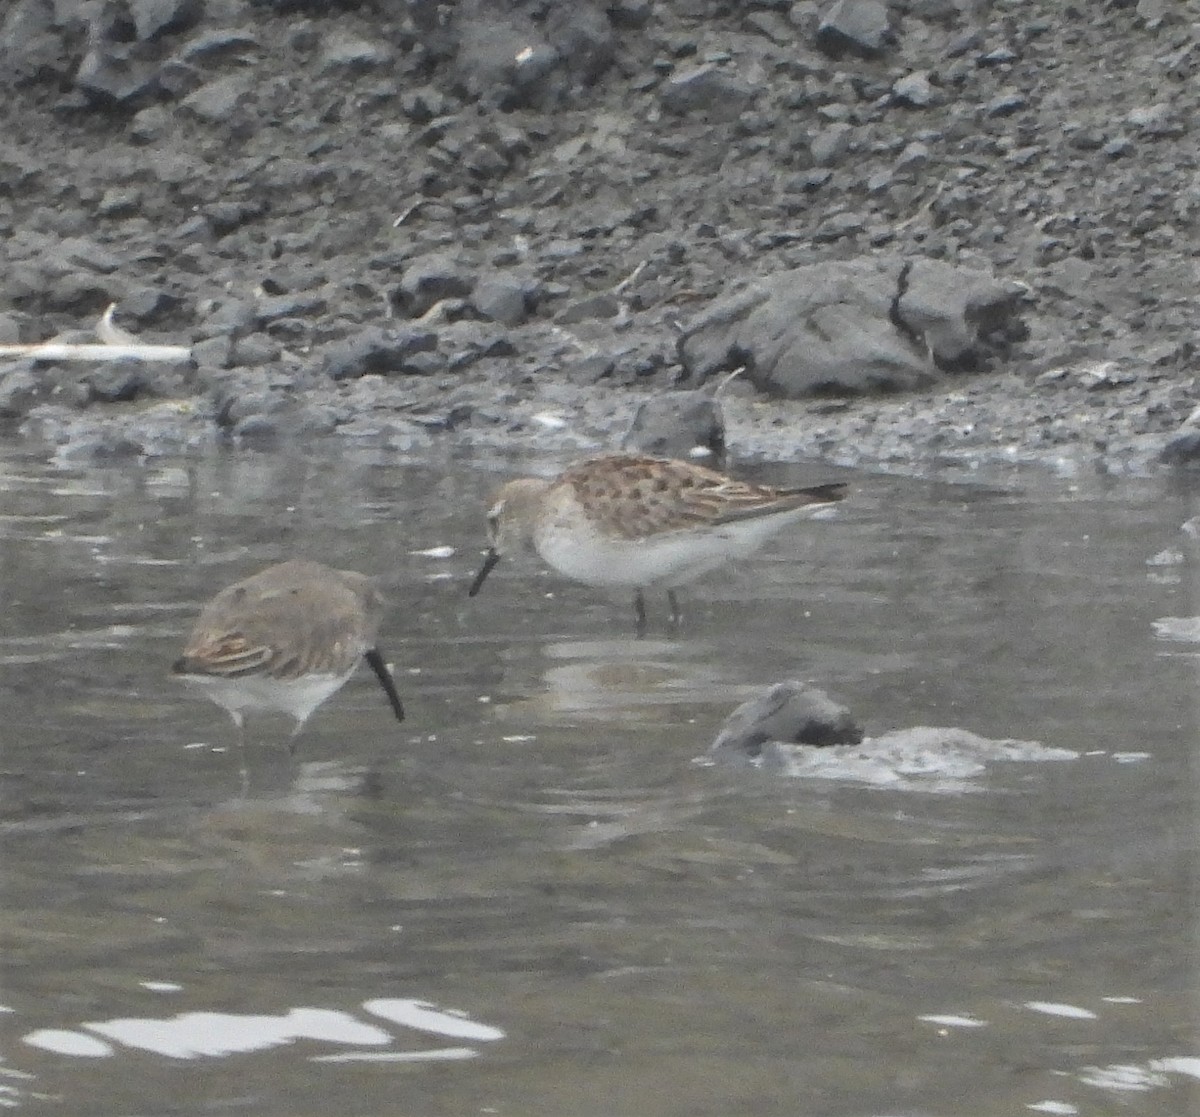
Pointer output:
x,y
533,897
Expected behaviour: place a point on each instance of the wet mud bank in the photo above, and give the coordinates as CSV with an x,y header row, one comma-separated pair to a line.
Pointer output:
x,y
911,236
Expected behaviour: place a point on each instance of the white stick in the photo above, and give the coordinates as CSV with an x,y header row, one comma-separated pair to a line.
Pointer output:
x,y
67,351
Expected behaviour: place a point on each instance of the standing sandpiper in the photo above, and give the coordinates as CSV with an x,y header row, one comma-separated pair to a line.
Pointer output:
x,y
639,522
286,639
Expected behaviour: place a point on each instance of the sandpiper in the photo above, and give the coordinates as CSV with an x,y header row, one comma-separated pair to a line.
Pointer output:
x,y
286,639
624,520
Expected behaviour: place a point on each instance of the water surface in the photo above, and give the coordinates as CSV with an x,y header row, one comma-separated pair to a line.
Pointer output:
x,y
531,898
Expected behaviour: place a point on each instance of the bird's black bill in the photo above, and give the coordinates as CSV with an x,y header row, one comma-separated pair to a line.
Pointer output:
x,y
493,557
384,676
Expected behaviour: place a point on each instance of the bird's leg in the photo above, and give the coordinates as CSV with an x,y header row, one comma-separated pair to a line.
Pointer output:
x,y
676,614
374,658
292,738
639,613
240,733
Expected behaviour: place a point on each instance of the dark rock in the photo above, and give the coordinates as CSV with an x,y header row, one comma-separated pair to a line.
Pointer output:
x,y
631,14
503,298
110,73
20,390
115,381
219,41
30,46
915,90
853,326
592,369
603,304
345,52
10,329
269,308
856,27
582,38
1183,448
790,712
679,424
1006,104
154,18
711,91
214,352
254,350
379,351
82,252
218,100
837,226
952,311
504,59
830,144
230,318
429,279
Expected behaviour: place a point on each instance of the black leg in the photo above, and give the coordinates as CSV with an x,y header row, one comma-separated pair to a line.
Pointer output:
x,y
373,657
639,613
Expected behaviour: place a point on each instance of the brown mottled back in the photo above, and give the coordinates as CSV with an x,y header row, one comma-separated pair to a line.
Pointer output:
x,y
291,619
634,497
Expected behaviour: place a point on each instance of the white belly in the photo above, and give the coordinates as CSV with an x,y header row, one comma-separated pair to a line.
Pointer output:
x,y
671,559
297,697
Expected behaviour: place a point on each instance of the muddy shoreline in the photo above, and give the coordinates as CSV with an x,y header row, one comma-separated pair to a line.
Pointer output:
x,y
414,226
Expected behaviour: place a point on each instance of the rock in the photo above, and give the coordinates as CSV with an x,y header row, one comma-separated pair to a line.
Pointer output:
x,y
20,390
603,304
915,90
582,38
790,712
503,58
1183,448
346,52
29,42
710,90
855,326
952,311
217,101
379,351
253,351
1006,104
830,144
503,298
154,18
679,424
429,279
111,73
115,381
858,27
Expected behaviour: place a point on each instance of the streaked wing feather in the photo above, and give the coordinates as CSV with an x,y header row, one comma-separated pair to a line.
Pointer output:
x,y
282,630
671,495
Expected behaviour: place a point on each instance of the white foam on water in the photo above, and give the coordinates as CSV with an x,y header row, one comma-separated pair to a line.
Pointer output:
x,y
213,1034
951,1021
1054,1008
1063,1107
1178,1064
64,1042
1182,629
429,1018
1124,1077
923,758
438,1054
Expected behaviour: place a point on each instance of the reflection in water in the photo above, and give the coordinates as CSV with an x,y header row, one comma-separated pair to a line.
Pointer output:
x,y
625,930
192,1035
